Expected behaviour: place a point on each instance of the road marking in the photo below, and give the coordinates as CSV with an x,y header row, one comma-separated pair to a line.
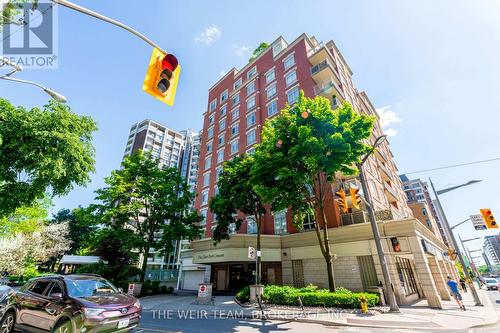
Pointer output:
x,y
153,330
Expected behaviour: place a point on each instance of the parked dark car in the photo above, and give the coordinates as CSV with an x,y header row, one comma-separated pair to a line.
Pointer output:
x,y
6,322
71,304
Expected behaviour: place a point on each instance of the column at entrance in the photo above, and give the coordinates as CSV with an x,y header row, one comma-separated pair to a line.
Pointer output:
x,y
439,278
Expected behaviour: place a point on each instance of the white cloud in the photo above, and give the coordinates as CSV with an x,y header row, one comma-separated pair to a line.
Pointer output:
x,y
391,132
209,35
387,118
241,51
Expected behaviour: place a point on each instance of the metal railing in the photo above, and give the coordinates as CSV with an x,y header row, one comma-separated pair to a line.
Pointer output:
x,y
355,218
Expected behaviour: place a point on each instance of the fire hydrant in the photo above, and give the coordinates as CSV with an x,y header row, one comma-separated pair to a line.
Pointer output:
x,y
364,303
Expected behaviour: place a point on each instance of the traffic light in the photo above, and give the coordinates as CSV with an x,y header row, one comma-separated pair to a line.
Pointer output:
x,y
488,218
342,201
162,76
356,199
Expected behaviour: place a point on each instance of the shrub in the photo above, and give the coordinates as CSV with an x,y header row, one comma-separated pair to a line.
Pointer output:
x,y
342,290
311,296
243,295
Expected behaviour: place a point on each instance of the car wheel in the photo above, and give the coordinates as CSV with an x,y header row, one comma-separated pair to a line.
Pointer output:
x,y
64,327
7,323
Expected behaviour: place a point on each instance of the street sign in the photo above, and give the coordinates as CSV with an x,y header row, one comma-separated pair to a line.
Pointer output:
x,y
251,253
478,222
202,291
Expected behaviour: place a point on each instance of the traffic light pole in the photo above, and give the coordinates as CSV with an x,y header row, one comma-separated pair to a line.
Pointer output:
x,y
455,245
376,236
89,12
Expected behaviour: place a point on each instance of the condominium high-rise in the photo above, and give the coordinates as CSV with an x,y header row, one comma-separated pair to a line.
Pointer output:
x,y
238,105
179,149
491,249
417,190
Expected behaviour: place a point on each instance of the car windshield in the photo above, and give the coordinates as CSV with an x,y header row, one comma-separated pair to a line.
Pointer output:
x,y
89,287
491,281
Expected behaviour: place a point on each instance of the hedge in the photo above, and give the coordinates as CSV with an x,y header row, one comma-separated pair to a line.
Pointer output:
x,y
310,296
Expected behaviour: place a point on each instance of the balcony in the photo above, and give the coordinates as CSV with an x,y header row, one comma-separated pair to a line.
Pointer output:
x,y
391,193
328,89
385,172
355,218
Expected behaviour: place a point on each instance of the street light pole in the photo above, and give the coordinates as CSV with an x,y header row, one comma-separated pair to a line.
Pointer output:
x,y
376,233
54,94
455,245
70,5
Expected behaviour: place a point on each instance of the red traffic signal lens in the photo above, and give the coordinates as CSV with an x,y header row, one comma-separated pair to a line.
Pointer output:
x,y
169,62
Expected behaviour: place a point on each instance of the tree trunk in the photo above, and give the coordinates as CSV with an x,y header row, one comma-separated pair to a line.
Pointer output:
x,y
144,263
328,253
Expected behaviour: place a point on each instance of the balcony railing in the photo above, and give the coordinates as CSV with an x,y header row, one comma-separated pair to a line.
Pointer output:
x,y
355,218
385,171
322,65
391,191
162,274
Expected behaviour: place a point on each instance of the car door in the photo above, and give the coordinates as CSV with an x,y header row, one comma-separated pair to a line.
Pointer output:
x,y
30,303
55,304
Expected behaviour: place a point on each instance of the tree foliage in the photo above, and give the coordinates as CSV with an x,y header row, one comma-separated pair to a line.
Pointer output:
x,y
42,151
235,194
300,153
257,52
82,227
25,219
148,200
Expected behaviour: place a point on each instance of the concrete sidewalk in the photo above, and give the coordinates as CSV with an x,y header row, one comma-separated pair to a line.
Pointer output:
x,y
417,316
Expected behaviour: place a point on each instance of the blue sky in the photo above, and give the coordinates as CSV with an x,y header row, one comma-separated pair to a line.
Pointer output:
x,y
431,66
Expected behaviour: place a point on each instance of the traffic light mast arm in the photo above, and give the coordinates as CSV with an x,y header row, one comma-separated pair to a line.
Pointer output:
x,y
456,225
89,12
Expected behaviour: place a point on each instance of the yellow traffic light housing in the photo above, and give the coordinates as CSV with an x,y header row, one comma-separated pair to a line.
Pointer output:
x,y
342,200
488,218
356,199
162,77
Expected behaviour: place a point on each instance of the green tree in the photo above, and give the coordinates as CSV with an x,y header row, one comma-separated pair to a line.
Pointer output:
x,y
10,9
257,52
300,153
26,219
149,200
42,151
82,226
236,194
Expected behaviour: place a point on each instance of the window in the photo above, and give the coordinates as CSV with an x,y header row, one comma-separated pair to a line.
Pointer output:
x,y
251,151
251,103
289,62
277,49
220,156
211,119
238,83
209,147
251,225
232,228
235,129
292,95
271,91
222,124
280,223
235,114
203,213
208,162
290,78
272,108
252,72
206,179
424,211
221,140
39,287
204,197
55,289
270,76
213,105
406,276
210,132
250,88
223,96
234,147
251,119
235,100
223,110
251,137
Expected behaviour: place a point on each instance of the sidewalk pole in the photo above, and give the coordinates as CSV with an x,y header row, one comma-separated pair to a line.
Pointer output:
x,y
455,245
70,5
376,236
